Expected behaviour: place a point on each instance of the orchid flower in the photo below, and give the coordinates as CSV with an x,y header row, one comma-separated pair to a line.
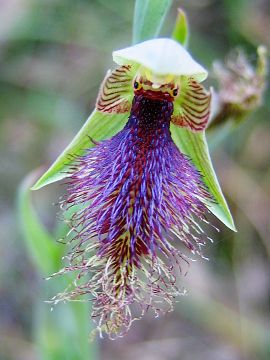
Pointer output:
x,y
140,184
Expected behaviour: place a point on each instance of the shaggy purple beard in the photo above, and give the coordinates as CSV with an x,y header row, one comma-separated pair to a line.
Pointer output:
x,y
138,194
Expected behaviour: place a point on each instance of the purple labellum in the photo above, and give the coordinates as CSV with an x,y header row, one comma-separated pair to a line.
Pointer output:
x,y
136,198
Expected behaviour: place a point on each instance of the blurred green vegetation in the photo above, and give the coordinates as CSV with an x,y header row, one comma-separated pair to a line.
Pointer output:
x,y
53,56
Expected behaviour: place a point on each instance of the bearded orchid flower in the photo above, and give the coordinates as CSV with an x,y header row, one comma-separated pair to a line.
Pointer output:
x,y
140,196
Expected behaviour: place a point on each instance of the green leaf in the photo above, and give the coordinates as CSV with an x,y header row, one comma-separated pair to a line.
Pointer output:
x,y
64,332
195,146
98,126
148,18
181,31
42,247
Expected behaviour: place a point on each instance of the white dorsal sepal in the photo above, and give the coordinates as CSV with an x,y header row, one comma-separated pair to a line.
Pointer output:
x,y
161,57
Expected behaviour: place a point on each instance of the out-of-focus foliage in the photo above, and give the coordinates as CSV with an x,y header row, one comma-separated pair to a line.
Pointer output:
x,y
181,29
53,55
52,331
41,245
148,18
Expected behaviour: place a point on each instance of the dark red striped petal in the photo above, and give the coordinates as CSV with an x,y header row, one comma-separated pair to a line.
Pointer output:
x,y
115,95
192,107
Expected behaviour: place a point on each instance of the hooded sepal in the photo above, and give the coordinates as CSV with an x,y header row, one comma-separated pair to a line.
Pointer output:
x,y
161,57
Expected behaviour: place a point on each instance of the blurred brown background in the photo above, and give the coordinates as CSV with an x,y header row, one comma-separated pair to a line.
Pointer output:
x,y
53,56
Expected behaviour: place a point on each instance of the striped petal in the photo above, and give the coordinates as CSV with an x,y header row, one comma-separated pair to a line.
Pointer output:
x,y
115,95
192,107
